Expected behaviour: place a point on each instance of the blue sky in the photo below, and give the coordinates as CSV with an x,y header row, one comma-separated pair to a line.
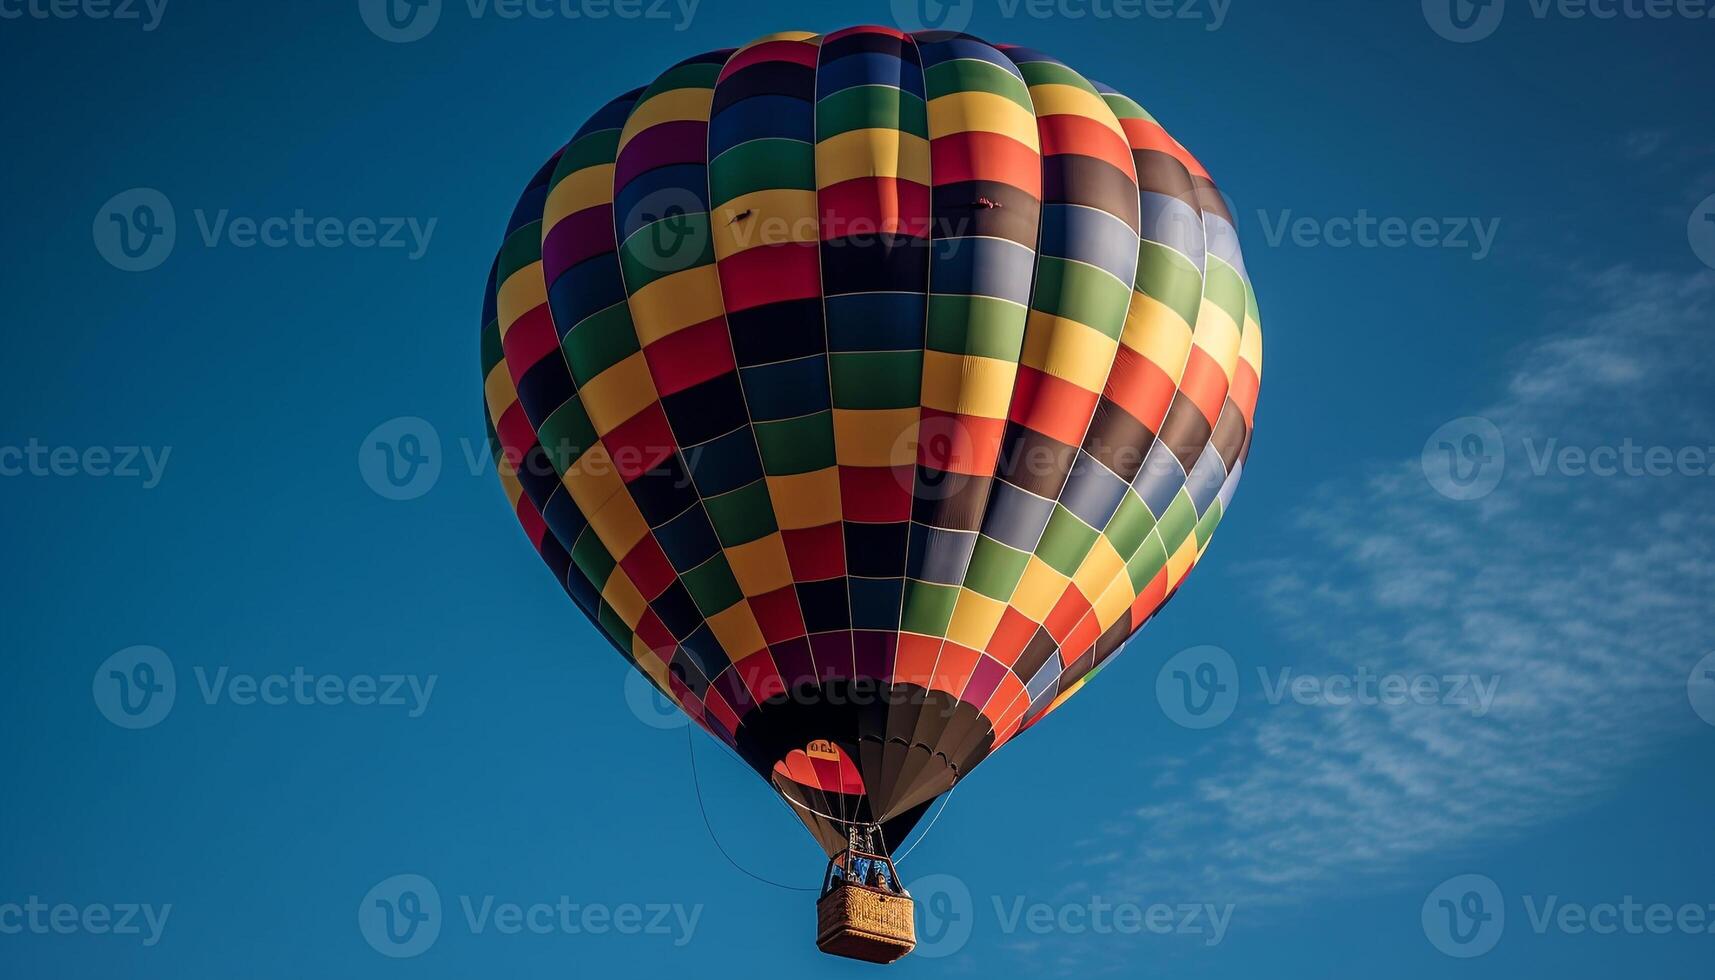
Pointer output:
x,y
1297,835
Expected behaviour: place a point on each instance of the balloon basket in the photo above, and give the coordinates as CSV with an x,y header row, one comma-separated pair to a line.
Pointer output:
x,y
864,913
864,923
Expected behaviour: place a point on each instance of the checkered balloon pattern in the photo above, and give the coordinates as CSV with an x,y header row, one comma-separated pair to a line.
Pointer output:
x,y
868,390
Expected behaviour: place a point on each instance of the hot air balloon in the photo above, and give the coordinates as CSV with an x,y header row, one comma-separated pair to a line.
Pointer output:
x,y
868,391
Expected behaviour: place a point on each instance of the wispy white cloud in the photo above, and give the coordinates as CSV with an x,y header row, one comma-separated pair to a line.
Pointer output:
x,y
1589,598
1641,144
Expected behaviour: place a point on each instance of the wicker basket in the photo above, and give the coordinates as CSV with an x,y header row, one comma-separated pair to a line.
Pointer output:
x,y
865,924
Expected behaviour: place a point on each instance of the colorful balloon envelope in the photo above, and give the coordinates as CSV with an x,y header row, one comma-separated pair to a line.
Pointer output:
x,y
868,391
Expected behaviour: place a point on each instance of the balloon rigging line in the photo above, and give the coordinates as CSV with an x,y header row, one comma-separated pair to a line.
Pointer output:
x,y
807,808
691,749
781,796
944,801
696,782
841,820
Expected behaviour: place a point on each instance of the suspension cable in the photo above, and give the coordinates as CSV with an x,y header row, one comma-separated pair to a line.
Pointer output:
x,y
696,781
944,801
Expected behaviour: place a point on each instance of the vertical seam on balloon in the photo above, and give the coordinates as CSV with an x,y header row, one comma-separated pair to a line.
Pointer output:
x,y
678,642
1176,379
738,376
1228,484
928,308
1179,378
827,373
1232,474
928,295
827,342
1208,255
928,298
577,388
1114,361
560,346
1154,531
1030,307
891,677
497,449
559,349
542,508
1036,255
